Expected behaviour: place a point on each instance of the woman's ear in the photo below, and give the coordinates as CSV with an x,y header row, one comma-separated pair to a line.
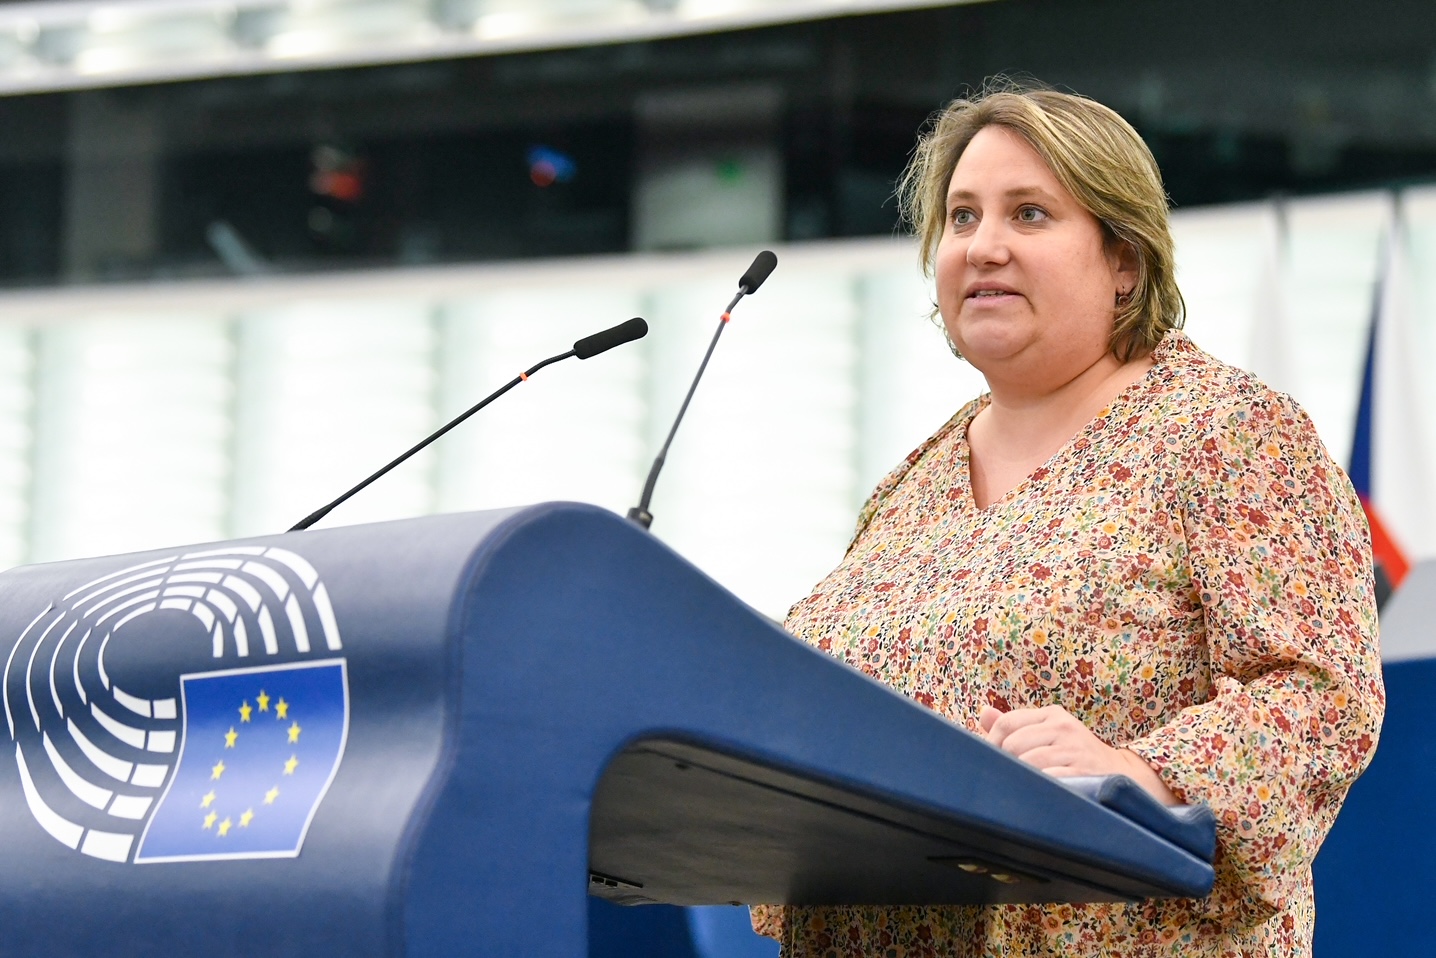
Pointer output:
x,y
1123,256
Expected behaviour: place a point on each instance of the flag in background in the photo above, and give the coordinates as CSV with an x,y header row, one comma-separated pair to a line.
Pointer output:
x,y
1388,456
1390,559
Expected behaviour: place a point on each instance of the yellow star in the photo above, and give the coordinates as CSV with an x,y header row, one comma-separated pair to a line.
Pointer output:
x,y
230,737
246,818
271,795
281,709
207,801
291,765
263,701
244,710
218,770
209,820
224,827
294,732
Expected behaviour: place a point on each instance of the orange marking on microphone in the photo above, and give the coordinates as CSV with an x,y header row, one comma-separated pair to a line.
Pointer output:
x,y
726,317
523,377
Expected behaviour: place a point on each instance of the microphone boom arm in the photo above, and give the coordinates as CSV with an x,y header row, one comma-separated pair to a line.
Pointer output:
x,y
640,513
323,511
585,348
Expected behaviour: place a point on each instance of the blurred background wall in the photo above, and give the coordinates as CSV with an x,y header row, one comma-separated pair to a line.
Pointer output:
x,y
251,249
140,415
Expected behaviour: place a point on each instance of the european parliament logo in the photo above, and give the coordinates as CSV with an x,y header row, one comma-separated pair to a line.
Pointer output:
x,y
146,731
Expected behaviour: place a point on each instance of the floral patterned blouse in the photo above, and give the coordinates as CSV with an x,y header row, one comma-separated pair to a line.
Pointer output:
x,y
1191,577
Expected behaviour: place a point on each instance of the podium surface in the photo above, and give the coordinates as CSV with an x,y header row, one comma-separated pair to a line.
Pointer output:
x,y
438,736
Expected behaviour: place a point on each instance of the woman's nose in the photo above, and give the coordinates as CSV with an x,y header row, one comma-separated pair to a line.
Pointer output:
x,y
987,244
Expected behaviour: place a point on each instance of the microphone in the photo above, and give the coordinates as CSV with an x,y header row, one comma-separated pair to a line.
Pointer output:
x,y
625,332
586,348
763,265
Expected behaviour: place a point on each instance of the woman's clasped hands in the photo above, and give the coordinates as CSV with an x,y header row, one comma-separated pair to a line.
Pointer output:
x,y
1055,741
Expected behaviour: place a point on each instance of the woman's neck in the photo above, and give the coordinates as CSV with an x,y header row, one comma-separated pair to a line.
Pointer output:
x,y
1023,427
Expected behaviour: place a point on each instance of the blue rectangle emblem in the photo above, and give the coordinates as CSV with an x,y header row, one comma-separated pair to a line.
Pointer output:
x,y
260,747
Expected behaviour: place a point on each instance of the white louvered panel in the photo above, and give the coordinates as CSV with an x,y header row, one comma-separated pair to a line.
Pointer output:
x,y
759,485
17,360
911,383
1420,210
134,428
1221,256
826,378
1333,263
574,431
329,392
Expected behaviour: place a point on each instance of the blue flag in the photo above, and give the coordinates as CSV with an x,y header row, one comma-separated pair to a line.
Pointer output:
x,y
260,747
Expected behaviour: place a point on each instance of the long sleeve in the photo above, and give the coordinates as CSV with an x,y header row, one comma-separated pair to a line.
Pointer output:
x,y
1279,552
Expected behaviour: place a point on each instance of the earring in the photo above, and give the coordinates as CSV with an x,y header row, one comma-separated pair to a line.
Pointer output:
x,y
1124,297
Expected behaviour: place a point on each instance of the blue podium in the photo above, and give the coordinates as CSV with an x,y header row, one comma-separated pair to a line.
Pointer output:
x,y
437,737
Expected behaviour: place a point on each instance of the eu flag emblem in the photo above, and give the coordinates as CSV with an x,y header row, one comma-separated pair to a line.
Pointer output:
x,y
260,748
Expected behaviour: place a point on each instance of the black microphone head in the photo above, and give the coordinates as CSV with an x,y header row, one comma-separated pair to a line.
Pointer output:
x,y
763,264
625,332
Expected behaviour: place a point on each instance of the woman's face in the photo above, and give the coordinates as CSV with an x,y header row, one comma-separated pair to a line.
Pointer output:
x,y
1025,285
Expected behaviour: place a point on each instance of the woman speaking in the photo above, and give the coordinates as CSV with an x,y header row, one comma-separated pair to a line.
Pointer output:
x,y
1125,558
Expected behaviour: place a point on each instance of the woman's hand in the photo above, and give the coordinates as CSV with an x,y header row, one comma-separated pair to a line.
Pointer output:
x,y
1053,739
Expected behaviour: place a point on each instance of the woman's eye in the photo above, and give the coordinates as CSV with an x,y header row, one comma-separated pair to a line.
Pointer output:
x,y
1031,214
963,218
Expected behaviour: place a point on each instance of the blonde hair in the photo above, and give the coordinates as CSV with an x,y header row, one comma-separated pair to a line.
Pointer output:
x,y
1097,157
